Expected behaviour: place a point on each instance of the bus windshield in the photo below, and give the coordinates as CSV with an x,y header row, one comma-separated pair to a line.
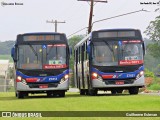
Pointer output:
x,y
50,56
117,53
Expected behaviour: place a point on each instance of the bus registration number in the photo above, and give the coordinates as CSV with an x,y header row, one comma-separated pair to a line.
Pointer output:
x,y
43,86
119,82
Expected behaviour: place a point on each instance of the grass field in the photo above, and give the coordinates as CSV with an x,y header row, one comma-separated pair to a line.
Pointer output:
x,y
75,102
6,57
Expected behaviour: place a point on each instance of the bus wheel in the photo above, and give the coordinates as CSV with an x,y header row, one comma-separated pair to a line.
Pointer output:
x,y
62,94
16,94
134,90
93,92
20,94
49,94
26,94
119,91
113,92
82,92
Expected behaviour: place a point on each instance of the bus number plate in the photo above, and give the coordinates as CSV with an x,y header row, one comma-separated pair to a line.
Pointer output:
x,y
119,82
43,86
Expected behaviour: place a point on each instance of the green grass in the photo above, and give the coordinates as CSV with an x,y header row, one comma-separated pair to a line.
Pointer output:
x,y
75,102
6,57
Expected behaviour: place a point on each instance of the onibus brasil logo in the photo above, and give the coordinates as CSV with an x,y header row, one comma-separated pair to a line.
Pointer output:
x,y
5,3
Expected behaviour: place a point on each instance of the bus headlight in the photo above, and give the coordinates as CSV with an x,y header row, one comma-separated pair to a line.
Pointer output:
x,y
64,78
96,76
19,79
140,74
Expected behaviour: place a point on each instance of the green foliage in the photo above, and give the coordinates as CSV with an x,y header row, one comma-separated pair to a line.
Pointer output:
x,y
153,30
154,50
154,87
5,47
149,61
157,70
148,73
75,39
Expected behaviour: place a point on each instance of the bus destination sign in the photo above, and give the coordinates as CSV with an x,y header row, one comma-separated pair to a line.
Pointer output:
x,y
41,37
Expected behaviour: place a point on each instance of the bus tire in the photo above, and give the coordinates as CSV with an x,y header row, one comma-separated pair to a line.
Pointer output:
x,y
20,94
82,92
113,92
134,90
16,94
26,94
93,92
86,92
62,94
49,94
119,91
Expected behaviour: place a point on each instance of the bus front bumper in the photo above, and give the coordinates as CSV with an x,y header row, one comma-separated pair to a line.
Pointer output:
x,y
102,84
23,87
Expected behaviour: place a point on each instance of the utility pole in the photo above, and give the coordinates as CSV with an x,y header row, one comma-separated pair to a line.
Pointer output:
x,y
90,17
91,12
55,23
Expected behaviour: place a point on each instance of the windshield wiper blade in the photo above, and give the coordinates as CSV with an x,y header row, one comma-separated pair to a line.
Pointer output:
x,y
33,50
35,53
108,45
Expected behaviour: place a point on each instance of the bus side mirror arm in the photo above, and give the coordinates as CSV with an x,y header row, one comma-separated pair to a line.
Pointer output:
x,y
13,54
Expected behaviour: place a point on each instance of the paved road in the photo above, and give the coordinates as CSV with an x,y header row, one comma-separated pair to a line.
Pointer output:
x,y
73,90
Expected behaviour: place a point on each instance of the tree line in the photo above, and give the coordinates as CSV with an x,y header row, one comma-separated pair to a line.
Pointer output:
x,y
5,47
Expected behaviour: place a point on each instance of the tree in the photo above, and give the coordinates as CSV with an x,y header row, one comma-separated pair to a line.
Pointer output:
x,y
153,32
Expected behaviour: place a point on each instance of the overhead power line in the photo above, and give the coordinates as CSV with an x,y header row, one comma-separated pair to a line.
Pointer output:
x,y
142,10
119,16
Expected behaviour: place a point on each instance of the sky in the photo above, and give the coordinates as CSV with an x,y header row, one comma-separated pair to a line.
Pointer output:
x,y
32,15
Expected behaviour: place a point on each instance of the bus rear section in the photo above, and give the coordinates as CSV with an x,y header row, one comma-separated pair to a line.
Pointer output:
x,y
115,62
41,64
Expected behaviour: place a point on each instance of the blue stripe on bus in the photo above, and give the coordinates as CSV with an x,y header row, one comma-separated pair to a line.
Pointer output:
x,y
120,75
46,78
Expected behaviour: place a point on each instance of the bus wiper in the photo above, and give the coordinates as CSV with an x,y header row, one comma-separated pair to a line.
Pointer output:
x,y
108,45
35,53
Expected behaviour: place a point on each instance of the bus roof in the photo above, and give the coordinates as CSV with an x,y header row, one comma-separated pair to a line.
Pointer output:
x,y
42,33
45,37
117,29
103,30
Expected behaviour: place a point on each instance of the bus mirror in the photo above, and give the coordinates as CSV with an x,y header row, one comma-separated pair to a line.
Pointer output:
x,y
13,54
88,49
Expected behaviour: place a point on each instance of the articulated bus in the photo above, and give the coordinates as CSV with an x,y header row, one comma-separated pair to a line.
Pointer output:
x,y
41,64
110,60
